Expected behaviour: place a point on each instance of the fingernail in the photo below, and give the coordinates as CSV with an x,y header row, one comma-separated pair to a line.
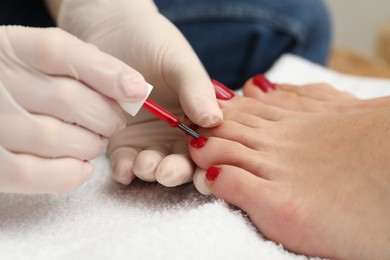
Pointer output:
x,y
212,173
88,170
263,83
221,91
133,88
199,143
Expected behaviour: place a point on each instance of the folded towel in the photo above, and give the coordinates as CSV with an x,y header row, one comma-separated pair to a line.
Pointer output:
x,y
294,70
106,220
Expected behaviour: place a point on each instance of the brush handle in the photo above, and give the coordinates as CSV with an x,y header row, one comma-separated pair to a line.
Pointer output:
x,y
161,113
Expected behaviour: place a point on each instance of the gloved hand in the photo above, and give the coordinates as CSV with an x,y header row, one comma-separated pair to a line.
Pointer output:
x,y
57,108
134,31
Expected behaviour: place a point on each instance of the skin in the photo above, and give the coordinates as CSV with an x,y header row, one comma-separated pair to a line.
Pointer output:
x,y
319,183
320,97
136,33
66,113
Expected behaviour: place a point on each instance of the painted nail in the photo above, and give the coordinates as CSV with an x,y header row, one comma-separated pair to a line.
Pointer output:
x,y
212,173
199,143
263,83
221,91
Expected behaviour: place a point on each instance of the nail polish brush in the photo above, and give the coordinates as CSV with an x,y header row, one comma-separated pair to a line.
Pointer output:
x,y
158,111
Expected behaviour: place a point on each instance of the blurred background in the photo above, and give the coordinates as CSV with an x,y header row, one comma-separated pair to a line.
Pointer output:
x,y
356,22
361,37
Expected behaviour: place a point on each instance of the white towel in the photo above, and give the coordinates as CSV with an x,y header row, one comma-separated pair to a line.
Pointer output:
x,y
105,220
294,70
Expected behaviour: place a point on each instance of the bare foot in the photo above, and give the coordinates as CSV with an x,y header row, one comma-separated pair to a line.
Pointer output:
x,y
319,183
308,98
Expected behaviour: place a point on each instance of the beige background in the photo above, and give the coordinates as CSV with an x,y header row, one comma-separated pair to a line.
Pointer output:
x,y
356,21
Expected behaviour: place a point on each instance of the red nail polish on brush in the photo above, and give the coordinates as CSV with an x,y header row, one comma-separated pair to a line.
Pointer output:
x,y
221,91
199,143
263,83
193,126
212,173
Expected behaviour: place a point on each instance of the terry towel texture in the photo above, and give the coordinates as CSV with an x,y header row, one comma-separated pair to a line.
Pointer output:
x,y
105,220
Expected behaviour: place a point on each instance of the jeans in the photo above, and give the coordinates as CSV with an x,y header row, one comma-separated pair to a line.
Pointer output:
x,y
28,13
236,39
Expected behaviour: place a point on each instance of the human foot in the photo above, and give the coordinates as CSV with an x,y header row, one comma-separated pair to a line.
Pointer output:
x,y
308,98
316,182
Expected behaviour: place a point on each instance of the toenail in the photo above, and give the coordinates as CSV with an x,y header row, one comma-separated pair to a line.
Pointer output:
x,y
263,83
221,91
212,173
199,143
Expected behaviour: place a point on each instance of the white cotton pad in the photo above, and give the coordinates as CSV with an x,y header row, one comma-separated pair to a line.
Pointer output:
x,y
133,108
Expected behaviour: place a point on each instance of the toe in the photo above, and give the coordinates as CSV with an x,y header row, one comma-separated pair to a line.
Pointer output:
x,y
240,188
255,108
221,151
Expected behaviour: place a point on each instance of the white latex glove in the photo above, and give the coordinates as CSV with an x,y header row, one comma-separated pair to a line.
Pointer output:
x,y
134,31
52,111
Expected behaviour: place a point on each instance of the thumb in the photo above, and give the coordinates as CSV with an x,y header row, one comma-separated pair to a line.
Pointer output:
x,y
199,103
185,73
196,91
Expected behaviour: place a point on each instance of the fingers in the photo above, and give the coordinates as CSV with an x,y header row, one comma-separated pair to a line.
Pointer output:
x,y
174,170
21,173
201,105
122,160
185,73
200,182
150,165
55,52
48,137
147,161
65,99
45,136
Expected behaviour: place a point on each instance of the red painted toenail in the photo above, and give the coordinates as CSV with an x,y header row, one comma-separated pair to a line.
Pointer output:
x,y
263,83
221,91
199,143
212,173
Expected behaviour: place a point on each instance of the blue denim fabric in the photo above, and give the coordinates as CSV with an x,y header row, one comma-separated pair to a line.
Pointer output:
x,y
21,12
236,39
